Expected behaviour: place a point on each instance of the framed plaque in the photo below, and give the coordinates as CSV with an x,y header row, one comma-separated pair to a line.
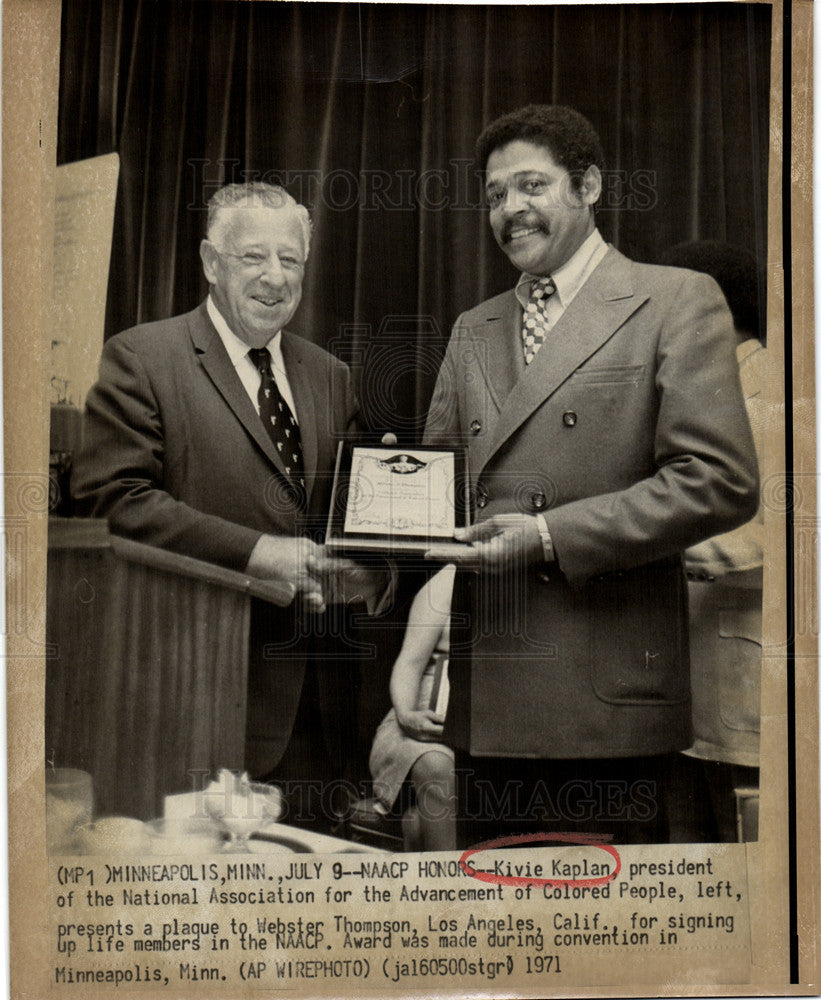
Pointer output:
x,y
391,499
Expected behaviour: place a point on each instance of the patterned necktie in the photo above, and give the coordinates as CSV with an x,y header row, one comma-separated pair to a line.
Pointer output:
x,y
278,419
534,321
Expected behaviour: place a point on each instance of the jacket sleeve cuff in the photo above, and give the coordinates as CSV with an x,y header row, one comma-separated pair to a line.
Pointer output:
x,y
547,541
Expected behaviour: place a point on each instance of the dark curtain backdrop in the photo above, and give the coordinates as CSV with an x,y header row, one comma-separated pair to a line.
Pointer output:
x,y
368,114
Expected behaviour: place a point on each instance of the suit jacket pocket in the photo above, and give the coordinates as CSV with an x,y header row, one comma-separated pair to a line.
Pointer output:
x,y
609,375
739,668
638,636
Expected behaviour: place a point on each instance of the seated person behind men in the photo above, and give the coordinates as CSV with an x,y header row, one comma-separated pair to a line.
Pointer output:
x,y
408,740
176,455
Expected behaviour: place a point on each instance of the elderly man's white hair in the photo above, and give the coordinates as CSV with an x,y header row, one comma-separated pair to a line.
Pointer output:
x,y
255,193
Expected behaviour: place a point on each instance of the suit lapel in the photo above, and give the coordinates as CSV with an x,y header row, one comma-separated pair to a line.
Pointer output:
x,y
216,363
495,350
495,339
603,304
302,390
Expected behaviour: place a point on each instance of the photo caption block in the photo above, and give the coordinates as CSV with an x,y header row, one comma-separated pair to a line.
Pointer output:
x,y
533,919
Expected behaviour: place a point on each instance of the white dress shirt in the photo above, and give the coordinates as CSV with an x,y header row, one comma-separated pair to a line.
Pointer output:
x,y
245,368
568,278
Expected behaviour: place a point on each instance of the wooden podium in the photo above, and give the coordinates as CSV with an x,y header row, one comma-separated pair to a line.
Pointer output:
x,y
146,672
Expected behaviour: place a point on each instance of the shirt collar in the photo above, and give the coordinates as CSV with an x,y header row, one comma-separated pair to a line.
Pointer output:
x,y
570,277
237,349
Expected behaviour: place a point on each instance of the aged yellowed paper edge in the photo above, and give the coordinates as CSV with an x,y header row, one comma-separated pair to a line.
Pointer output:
x,y
808,873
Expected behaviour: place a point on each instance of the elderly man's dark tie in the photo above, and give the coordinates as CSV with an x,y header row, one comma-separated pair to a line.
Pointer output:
x,y
278,420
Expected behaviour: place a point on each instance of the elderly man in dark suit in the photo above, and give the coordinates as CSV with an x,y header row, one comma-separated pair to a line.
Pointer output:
x,y
599,401
213,434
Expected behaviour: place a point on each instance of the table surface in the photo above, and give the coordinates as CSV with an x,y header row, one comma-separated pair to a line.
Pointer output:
x,y
187,804
317,843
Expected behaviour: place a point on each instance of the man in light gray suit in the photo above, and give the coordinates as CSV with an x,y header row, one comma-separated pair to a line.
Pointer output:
x,y
600,405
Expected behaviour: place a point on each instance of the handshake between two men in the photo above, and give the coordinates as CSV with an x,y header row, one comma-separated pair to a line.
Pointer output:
x,y
318,577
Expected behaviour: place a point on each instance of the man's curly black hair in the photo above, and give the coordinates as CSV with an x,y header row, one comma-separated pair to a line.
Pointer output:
x,y
567,135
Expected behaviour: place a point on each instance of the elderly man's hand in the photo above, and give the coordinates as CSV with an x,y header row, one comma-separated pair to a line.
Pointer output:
x,y
349,582
297,561
496,545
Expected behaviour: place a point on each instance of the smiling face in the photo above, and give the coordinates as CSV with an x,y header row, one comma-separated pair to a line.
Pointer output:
x,y
254,263
538,217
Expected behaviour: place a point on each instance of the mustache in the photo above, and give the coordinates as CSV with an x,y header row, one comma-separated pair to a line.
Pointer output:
x,y
507,229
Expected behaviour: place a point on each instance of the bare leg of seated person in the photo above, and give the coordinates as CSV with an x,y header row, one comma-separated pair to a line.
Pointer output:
x,y
434,782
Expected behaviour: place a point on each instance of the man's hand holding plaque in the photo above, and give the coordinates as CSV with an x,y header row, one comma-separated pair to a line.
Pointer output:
x,y
495,545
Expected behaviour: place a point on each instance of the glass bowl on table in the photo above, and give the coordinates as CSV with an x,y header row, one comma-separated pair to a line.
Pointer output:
x,y
241,807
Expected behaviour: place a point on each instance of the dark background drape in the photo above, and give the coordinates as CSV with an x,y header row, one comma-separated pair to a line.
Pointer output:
x,y
368,114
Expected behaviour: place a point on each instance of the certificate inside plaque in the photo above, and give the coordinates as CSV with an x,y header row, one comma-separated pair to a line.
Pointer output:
x,y
395,499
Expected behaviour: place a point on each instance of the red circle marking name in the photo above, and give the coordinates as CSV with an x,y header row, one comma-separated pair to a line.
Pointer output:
x,y
576,839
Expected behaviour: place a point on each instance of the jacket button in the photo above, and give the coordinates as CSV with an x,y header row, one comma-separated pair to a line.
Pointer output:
x,y
543,576
475,426
538,500
569,418
481,500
